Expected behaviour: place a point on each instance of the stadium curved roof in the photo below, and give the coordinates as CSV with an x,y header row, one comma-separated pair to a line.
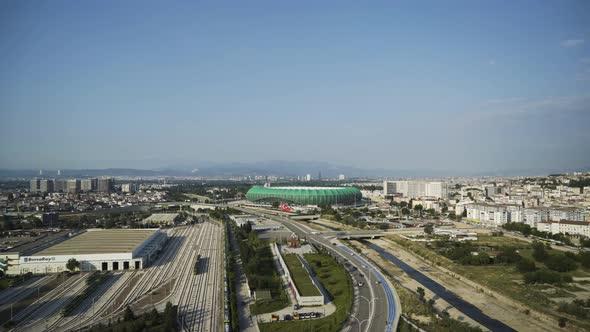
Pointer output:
x,y
305,195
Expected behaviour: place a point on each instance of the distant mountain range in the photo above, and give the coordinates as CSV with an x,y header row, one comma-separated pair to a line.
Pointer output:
x,y
278,168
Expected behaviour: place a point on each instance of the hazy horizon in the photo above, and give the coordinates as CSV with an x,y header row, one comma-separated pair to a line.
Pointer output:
x,y
467,86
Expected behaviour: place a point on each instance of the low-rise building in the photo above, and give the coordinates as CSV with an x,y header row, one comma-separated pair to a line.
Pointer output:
x,y
571,227
95,250
162,219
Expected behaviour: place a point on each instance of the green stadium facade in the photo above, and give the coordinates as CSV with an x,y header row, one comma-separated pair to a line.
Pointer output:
x,y
305,195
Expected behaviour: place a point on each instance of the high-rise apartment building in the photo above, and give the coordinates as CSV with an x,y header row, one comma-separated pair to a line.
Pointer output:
x,y
415,189
129,187
73,186
35,185
105,185
60,185
89,184
46,186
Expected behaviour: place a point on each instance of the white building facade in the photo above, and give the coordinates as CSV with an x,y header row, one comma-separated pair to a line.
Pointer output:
x,y
415,189
494,214
571,227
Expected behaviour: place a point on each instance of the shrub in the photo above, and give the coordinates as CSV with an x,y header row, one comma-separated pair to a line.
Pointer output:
x,y
545,276
584,259
575,308
561,263
539,252
526,265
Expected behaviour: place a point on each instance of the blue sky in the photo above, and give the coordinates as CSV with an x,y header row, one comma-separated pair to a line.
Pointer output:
x,y
458,85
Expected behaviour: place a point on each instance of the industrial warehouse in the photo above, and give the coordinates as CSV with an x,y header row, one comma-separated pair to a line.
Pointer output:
x,y
306,195
95,250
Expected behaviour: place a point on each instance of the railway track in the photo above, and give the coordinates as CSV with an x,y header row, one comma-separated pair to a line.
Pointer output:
x,y
197,296
166,267
88,311
199,303
49,304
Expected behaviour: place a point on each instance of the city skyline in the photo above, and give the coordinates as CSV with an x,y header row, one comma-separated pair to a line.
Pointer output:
x,y
479,87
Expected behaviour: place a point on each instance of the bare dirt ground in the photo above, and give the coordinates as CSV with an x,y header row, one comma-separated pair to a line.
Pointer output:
x,y
332,224
489,302
412,285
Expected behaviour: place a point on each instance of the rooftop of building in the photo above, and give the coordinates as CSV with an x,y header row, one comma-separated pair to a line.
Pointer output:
x,y
567,222
99,241
162,217
494,204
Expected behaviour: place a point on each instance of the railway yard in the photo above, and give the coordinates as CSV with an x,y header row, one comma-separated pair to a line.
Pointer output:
x,y
101,297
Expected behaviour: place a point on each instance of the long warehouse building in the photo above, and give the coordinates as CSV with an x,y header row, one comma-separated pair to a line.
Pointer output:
x,y
95,250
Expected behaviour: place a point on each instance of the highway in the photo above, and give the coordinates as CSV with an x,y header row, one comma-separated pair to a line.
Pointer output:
x,y
383,309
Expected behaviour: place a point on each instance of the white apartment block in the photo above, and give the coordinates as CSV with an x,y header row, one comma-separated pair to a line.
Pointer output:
x,y
567,213
494,214
565,226
534,215
415,189
86,185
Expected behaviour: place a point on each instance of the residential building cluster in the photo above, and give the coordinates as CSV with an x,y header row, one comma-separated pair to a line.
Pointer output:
x,y
547,203
416,189
105,185
26,202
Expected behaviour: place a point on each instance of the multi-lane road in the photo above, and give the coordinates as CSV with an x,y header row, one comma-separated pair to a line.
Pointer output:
x,y
379,307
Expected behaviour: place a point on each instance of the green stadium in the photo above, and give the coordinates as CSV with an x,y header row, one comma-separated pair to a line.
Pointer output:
x,y
305,195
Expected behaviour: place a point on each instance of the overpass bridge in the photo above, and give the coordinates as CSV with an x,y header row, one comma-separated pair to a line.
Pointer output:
x,y
304,217
353,235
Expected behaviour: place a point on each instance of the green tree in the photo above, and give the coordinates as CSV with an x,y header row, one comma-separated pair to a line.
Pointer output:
x,y
561,263
405,211
72,265
170,317
421,292
562,321
128,315
154,317
526,265
419,208
428,229
584,259
539,252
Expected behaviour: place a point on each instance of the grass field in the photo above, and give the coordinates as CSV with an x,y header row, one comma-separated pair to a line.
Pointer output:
x,y
337,283
300,276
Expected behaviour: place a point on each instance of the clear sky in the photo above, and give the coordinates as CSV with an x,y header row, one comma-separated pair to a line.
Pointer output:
x,y
449,85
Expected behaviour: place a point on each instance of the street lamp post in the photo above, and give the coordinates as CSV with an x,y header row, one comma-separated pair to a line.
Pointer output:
x,y
369,303
360,323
